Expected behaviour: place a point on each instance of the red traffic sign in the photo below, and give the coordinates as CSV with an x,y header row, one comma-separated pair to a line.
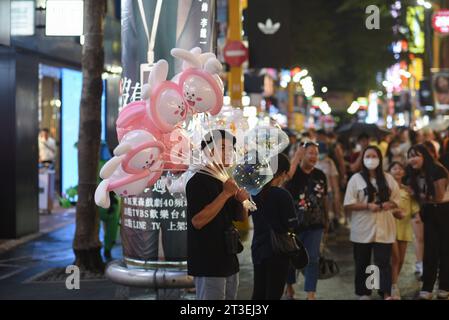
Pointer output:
x,y
440,21
235,53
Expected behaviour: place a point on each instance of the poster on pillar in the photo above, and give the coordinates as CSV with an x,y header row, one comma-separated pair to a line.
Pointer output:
x,y
154,222
177,24
154,225
267,26
441,89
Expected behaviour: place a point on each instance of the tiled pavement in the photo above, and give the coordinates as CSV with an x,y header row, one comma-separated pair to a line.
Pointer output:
x,y
19,266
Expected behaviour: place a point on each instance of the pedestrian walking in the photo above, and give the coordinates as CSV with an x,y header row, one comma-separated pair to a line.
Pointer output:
x,y
275,213
308,188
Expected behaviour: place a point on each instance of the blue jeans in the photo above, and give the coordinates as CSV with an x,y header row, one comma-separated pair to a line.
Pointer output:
x,y
311,240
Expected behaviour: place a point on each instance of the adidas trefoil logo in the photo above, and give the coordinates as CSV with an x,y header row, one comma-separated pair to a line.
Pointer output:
x,y
269,27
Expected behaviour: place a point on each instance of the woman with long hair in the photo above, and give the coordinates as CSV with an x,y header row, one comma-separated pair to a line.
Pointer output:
x,y
408,207
275,211
428,180
372,197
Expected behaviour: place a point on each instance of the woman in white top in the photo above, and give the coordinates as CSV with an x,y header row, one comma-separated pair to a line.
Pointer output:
x,y
371,196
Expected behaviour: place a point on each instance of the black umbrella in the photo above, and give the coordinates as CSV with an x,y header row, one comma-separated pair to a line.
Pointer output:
x,y
357,128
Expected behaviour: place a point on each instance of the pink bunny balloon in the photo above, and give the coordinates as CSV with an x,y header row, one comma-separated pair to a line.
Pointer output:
x,y
150,137
136,165
134,117
163,108
202,88
167,107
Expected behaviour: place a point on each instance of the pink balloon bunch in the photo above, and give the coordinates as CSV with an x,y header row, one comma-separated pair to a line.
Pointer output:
x,y
150,136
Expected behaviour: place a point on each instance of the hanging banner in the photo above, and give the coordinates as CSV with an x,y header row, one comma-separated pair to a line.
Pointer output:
x,y
267,26
441,89
179,24
153,224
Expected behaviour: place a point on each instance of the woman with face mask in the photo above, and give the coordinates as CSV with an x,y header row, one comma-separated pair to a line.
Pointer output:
x,y
372,197
429,181
275,211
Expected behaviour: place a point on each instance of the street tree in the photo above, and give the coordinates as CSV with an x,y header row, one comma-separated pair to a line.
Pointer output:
x,y
86,244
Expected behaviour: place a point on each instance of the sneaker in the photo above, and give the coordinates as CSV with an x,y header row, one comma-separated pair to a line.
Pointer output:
x,y
442,294
392,298
418,270
425,295
365,297
395,293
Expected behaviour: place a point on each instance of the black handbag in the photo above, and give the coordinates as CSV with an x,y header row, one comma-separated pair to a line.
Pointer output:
x,y
283,243
288,244
232,241
328,268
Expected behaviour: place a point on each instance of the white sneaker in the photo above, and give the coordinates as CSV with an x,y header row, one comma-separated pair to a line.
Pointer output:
x,y
425,295
364,297
418,268
395,293
442,294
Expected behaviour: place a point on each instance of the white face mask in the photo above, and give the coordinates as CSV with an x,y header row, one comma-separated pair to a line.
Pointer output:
x,y
371,163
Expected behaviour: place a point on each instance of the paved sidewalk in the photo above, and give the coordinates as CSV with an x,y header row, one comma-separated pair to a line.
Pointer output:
x,y
20,266
59,218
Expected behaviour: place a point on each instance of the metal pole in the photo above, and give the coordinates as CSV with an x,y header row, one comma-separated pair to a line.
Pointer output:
x,y
235,76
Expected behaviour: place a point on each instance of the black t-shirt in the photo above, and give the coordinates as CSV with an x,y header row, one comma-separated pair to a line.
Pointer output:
x,y
308,191
206,251
275,211
438,173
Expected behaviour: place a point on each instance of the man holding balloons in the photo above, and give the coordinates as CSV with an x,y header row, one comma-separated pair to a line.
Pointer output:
x,y
212,240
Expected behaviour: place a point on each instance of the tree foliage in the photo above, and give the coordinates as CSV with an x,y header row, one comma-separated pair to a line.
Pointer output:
x,y
330,39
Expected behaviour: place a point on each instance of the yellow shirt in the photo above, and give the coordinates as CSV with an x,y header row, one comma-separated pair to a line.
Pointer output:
x,y
409,207
383,146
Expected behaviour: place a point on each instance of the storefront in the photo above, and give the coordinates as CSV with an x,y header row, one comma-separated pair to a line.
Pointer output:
x,y
41,88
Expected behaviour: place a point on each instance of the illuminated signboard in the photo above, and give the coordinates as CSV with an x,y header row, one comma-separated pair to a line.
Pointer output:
x,y
22,18
64,18
72,81
415,22
440,21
